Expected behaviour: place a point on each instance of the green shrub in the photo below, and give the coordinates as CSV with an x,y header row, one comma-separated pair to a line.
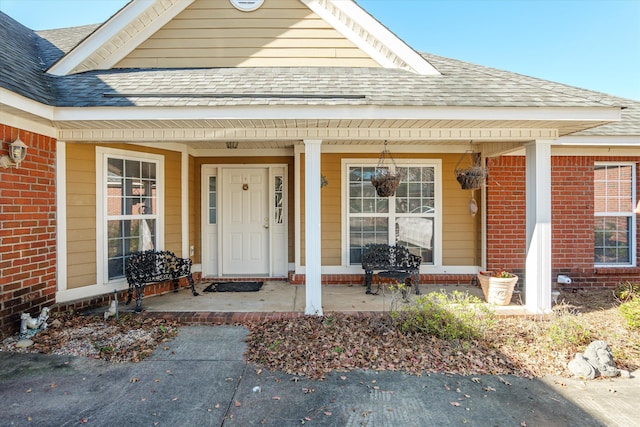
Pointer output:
x,y
630,310
447,316
627,291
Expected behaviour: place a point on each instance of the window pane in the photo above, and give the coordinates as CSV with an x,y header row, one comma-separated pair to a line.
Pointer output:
x,y
131,210
416,234
278,192
611,240
613,188
364,231
213,191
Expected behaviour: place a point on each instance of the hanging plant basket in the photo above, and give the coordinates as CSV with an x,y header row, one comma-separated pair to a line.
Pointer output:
x,y
471,176
384,179
385,183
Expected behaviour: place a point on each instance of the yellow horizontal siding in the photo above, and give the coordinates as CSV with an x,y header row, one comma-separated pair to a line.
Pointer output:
x,y
215,34
81,215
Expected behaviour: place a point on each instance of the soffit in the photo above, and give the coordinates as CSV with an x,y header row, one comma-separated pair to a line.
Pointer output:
x,y
264,130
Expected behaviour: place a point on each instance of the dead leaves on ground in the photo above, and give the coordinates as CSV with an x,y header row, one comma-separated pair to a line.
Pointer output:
x,y
313,346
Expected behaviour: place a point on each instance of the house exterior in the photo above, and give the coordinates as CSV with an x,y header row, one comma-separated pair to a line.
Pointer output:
x,y
243,134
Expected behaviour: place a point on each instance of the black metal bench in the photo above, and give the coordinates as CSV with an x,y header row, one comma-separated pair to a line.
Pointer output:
x,y
395,262
155,267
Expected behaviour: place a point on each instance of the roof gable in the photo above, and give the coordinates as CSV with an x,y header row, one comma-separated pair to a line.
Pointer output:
x,y
212,33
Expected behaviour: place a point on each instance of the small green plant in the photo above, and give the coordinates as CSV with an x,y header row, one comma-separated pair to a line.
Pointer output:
x,y
627,291
565,329
630,310
274,345
447,316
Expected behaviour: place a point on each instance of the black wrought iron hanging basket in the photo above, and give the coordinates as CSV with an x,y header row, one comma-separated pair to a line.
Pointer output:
x,y
386,179
472,175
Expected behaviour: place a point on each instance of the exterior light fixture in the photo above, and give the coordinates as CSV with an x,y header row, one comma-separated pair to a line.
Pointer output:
x,y
17,153
232,145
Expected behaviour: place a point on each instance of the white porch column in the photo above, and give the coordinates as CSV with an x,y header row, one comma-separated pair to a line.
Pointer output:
x,y
538,200
312,217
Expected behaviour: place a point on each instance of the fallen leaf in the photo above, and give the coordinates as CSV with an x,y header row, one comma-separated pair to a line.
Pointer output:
x,y
504,381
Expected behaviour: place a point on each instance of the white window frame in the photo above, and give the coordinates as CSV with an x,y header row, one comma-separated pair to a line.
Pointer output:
x,y
437,226
631,214
103,154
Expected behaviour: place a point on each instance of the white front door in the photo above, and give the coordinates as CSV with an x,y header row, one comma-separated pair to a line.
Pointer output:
x,y
245,221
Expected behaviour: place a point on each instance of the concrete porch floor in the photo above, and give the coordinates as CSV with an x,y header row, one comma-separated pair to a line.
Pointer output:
x,y
282,297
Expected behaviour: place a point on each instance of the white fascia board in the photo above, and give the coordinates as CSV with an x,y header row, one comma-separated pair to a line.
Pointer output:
x,y
19,102
338,113
111,28
383,34
366,22
608,140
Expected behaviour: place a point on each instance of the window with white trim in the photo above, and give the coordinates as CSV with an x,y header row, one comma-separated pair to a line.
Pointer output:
x,y
131,209
408,218
614,222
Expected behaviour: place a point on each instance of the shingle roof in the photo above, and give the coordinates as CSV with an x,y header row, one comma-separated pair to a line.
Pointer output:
x,y
457,87
53,44
21,66
24,56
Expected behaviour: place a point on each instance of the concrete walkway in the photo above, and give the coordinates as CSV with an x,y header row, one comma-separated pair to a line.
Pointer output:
x,y
200,379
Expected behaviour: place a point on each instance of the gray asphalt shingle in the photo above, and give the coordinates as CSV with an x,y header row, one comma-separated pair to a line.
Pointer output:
x,y
25,55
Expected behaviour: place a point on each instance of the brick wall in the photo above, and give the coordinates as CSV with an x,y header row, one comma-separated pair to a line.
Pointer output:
x,y
28,231
506,214
572,198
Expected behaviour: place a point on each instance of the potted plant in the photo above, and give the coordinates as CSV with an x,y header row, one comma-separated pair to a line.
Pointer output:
x,y
385,182
471,178
497,286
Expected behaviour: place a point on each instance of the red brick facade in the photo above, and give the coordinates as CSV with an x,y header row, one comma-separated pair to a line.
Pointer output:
x,y
572,198
28,231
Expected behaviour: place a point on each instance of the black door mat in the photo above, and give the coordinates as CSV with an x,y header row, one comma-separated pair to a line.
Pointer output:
x,y
234,287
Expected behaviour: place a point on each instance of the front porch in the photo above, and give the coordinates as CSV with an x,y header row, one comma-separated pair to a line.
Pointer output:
x,y
281,299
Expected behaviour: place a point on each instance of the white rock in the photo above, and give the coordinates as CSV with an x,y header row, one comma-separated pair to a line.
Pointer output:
x,y
24,343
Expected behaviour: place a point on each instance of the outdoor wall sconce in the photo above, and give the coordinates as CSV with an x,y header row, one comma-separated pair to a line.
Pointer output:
x,y
232,145
17,153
